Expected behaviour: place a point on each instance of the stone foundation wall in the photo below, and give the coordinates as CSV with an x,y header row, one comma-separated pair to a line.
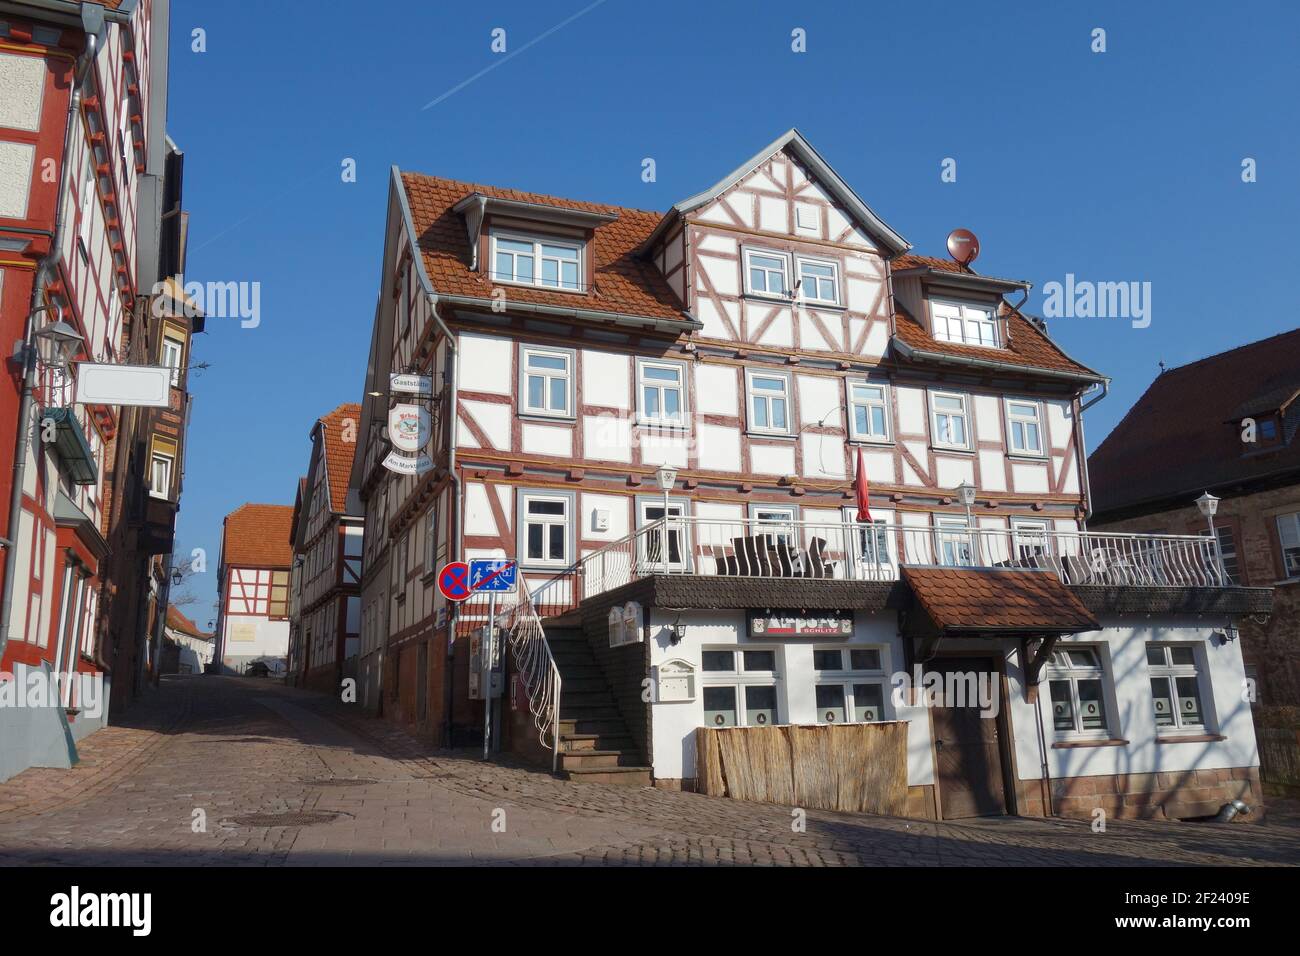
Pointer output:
x,y
1176,795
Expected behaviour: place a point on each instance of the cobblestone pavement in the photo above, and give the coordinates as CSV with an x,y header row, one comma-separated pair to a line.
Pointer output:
x,y
212,750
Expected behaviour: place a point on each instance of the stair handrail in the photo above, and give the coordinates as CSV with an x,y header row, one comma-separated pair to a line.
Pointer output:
x,y
536,668
532,653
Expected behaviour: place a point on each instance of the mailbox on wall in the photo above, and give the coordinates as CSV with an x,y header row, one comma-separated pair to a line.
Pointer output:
x,y
676,682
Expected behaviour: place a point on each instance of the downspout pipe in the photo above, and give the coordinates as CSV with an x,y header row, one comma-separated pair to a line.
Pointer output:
x,y
1082,449
93,23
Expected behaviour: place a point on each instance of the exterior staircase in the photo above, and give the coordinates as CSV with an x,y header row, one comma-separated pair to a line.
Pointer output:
x,y
595,746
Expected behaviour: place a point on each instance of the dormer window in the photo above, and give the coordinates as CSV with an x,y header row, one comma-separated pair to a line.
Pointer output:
x,y
965,323
533,260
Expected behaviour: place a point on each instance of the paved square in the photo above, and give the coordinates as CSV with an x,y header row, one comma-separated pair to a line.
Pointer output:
x,y
244,757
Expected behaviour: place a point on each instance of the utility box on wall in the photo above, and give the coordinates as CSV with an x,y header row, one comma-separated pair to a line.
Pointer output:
x,y
626,624
486,676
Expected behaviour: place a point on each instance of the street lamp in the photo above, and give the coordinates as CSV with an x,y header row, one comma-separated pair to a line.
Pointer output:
x,y
57,344
966,495
1208,505
667,477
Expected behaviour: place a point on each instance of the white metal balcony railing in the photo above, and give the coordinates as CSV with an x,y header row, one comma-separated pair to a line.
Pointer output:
x,y
860,552
846,552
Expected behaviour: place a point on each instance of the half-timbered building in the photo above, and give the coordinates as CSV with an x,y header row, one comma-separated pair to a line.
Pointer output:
x,y
90,223
253,590
661,416
326,534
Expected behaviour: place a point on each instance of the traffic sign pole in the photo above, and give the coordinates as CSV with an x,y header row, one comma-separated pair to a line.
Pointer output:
x,y
489,657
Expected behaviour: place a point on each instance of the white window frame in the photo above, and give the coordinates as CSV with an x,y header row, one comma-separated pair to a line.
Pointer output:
x,y
942,330
1014,418
1170,673
957,530
173,348
884,404
1288,536
431,538
965,415
537,241
1024,531
643,416
786,396
170,462
677,508
547,522
785,273
1229,556
1060,668
836,297
780,521
858,531
848,679
738,679
568,376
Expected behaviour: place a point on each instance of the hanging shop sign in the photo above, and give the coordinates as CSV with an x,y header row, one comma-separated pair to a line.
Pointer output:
x,y
410,384
801,623
408,427
408,464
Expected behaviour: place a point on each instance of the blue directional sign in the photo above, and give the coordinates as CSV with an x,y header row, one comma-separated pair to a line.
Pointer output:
x,y
493,574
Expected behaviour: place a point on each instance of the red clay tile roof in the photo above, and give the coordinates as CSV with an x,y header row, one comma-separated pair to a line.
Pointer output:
x,y
340,443
997,600
257,536
1180,438
177,621
1027,344
623,282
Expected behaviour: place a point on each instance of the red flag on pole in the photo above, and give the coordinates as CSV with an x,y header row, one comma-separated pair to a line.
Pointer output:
x,y
863,492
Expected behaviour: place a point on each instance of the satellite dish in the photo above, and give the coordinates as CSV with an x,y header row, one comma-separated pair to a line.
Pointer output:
x,y
963,246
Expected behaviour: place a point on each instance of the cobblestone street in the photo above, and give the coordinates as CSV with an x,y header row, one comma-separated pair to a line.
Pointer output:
x,y
285,777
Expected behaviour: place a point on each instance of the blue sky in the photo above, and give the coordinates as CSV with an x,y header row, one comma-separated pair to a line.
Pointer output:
x,y
1115,166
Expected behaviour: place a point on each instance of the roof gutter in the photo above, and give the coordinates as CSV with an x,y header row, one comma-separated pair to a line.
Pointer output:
x,y
969,279
924,355
69,11
675,326
1081,450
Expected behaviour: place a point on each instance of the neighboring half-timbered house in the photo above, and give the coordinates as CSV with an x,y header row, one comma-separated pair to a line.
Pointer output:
x,y
327,537
253,590
747,349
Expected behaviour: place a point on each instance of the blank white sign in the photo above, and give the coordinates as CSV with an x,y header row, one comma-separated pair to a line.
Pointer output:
x,y
147,386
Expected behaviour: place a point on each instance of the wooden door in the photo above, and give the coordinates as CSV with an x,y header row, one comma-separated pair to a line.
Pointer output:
x,y
967,751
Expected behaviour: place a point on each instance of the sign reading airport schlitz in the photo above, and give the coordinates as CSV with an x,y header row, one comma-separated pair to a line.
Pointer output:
x,y
801,624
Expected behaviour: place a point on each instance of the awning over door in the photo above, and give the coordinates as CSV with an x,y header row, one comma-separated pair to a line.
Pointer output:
x,y
991,601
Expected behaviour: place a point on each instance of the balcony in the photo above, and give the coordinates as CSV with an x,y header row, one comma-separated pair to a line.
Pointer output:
x,y
876,553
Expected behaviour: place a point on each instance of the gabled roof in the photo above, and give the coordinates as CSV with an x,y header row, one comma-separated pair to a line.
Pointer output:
x,y
339,443
1027,346
622,282
1183,436
257,536
821,170
177,621
981,599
